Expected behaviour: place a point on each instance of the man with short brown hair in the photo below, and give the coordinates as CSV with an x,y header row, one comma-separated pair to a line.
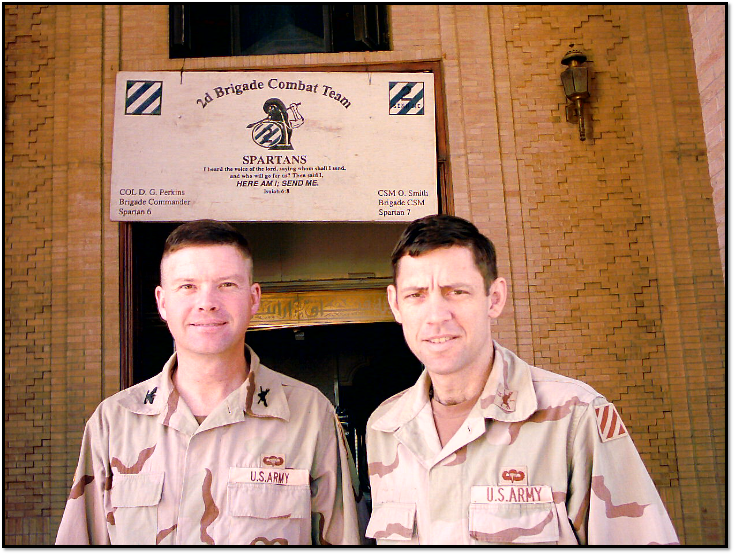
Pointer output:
x,y
217,449
484,448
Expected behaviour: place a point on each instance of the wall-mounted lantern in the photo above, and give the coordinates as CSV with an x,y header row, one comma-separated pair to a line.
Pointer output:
x,y
576,87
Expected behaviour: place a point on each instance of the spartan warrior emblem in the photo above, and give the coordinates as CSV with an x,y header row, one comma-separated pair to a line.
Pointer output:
x,y
274,132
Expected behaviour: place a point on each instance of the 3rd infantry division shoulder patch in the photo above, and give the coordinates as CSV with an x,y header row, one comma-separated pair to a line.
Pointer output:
x,y
609,423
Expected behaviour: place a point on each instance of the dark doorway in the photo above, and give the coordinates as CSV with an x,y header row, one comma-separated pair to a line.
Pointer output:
x,y
287,256
357,366
151,344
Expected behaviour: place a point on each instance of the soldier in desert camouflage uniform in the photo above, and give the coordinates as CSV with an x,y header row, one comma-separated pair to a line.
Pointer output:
x,y
485,448
217,448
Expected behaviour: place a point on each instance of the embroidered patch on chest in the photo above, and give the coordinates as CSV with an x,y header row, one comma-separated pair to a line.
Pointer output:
x,y
273,461
513,475
609,423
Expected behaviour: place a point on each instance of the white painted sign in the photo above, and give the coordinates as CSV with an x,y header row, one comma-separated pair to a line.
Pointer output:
x,y
277,146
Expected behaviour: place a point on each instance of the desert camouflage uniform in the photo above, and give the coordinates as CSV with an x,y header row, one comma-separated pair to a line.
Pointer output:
x,y
268,466
530,464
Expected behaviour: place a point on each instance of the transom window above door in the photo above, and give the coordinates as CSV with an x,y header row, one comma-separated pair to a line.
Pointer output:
x,y
212,29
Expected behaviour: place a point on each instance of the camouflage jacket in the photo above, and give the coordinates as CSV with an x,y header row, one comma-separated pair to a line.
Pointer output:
x,y
541,458
268,466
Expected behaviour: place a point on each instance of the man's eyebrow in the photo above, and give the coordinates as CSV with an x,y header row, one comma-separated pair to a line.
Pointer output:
x,y
454,285
413,287
178,279
231,277
458,285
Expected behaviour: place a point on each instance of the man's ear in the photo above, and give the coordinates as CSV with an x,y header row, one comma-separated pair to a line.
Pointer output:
x,y
393,302
160,302
256,295
498,295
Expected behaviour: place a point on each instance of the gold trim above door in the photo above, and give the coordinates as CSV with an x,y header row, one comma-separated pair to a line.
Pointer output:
x,y
310,308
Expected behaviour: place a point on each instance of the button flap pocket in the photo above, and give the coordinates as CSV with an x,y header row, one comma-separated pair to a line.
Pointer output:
x,y
268,500
136,490
514,522
392,521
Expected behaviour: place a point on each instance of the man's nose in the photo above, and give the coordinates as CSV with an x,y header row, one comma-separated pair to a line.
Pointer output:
x,y
439,309
207,299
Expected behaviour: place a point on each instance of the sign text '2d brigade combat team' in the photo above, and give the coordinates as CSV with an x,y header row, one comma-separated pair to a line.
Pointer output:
x,y
219,449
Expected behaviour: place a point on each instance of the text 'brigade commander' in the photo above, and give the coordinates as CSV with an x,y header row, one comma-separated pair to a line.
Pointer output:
x,y
485,448
217,448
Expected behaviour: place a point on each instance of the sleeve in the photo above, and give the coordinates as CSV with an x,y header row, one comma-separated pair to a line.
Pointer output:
x,y
84,521
611,497
333,507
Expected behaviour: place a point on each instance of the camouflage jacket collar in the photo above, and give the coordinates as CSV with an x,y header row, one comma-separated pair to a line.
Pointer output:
x,y
261,395
508,396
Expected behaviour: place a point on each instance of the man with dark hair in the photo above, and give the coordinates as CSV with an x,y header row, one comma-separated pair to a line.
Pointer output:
x,y
485,448
216,449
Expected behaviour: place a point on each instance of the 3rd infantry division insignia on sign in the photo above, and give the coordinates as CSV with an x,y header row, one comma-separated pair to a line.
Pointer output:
x,y
405,98
143,98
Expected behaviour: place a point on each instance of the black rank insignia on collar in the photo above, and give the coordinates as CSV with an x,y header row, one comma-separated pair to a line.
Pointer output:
x,y
150,396
261,396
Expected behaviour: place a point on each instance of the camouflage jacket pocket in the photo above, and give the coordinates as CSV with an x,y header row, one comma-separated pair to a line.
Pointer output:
x,y
268,500
514,522
135,499
269,514
392,521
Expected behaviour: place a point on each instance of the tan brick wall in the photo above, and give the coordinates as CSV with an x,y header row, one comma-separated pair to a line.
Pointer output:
x,y
708,35
611,241
610,244
28,241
